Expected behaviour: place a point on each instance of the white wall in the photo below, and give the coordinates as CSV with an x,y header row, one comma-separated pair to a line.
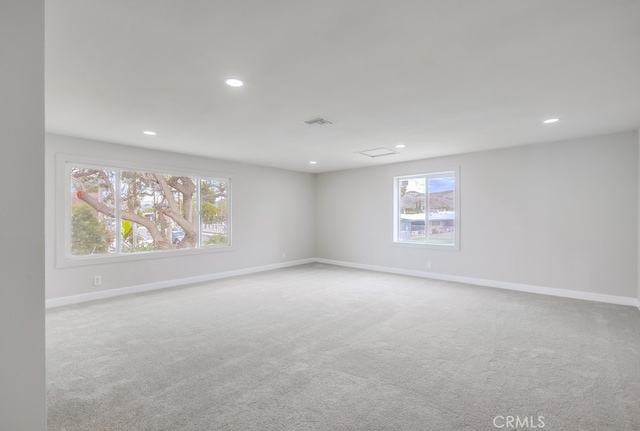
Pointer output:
x,y
559,215
22,342
273,213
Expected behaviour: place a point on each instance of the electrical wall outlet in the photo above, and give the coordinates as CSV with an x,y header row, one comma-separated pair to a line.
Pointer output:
x,y
284,255
97,280
428,264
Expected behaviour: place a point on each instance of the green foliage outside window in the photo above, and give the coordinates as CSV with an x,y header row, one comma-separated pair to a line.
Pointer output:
x,y
89,235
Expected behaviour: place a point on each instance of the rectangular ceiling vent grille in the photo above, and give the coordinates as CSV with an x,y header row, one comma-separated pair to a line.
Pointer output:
x,y
377,152
318,121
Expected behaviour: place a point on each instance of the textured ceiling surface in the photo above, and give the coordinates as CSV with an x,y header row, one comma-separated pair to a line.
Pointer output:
x,y
441,77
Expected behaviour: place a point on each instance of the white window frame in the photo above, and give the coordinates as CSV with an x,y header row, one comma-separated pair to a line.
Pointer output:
x,y
455,172
65,162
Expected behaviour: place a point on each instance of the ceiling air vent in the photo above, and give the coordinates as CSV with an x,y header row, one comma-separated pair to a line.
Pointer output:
x,y
318,121
377,152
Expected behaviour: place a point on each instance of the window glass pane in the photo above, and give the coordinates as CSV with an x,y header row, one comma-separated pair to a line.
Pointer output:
x,y
441,225
412,209
426,211
214,211
92,217
157,211
115,211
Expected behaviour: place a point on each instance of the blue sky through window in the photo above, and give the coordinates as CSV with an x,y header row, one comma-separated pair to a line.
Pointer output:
x,y
444,184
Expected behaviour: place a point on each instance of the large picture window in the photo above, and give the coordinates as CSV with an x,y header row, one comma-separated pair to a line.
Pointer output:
x,y
124,211
427,209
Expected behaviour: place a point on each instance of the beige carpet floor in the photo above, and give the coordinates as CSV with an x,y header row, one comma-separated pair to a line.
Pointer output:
x,y
319,347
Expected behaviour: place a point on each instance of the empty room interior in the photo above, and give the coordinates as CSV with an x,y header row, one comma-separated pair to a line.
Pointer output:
x,y
338,215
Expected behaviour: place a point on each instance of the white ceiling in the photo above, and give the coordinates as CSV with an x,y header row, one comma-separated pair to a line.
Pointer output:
x,y
442,77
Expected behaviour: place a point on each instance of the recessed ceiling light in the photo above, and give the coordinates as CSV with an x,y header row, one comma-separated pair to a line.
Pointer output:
x,y
312,162
149,132
232,82
400,146
551,120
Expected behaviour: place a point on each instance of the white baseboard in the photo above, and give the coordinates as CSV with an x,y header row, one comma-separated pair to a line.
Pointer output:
x,y
75,299
597,297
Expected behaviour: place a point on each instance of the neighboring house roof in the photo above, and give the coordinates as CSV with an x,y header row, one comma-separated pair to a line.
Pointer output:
x,y
440,215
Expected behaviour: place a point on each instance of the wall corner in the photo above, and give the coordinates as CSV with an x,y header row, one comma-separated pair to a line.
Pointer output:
x,y
638,254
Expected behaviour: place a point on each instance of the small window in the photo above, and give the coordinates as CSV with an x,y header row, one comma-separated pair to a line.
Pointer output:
x,y
427,209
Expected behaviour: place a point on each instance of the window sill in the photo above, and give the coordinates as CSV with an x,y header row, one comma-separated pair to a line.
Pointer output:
x,y
67,261
426,246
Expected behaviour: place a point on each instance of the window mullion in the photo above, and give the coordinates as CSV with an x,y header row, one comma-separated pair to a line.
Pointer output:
x,y
117,200
427,208
198,213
